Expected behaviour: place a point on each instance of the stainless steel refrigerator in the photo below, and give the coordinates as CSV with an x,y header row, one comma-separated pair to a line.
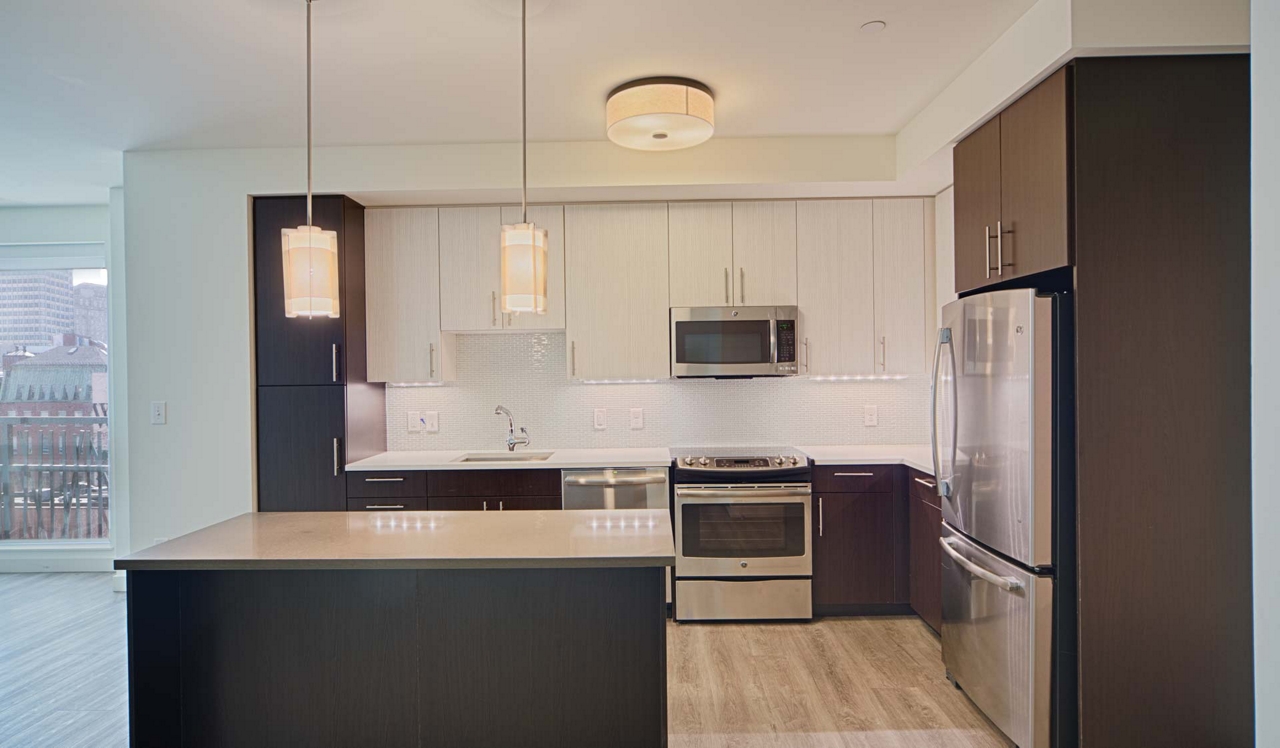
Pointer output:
x,y
1003,445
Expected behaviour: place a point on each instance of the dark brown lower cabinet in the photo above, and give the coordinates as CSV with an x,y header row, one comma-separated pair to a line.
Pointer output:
x,y
491,503
926,555
300,449
854,546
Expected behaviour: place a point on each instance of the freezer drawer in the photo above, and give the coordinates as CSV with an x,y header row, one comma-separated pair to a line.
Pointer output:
x,y
997,637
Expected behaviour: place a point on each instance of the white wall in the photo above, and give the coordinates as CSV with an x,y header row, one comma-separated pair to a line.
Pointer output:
x,y
945,268
1266,364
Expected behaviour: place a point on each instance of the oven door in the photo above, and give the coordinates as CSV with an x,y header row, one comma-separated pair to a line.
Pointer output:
x,y
743,531
724,342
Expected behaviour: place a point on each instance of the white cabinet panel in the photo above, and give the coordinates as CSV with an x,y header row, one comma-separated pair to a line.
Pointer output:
x,y
900,286
402,283
764,253
701,237
551,218
836,284
616,289
470,263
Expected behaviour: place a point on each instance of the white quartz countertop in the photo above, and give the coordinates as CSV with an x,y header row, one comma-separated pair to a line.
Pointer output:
x,y
916,456
559,459
547,539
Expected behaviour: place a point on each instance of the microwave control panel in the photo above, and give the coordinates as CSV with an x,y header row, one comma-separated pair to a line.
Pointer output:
x,y
786,345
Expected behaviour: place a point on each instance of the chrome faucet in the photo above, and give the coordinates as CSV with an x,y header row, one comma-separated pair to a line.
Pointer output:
x,y
512,439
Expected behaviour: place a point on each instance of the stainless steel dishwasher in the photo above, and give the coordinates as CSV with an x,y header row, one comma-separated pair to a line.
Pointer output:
x,y
615,488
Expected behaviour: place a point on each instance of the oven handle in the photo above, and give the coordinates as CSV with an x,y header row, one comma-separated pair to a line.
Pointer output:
x,y
748,494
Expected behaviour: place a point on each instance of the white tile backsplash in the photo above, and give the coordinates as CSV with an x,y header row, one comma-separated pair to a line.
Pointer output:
x,y
526,373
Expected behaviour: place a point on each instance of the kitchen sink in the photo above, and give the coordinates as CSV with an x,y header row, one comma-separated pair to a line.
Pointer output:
x,y
504,457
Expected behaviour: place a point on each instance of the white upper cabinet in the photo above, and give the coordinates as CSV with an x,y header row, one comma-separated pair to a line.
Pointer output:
x,y
616,291
701,254
402,278
470,262
764,253
835,268
551,218
901,286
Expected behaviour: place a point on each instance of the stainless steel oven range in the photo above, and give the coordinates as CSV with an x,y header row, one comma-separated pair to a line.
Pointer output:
x,y
743,535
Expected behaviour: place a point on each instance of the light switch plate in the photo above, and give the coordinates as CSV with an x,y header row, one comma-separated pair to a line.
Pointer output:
x,y
598,419
430,421
870,416
637,419
415,422
159,412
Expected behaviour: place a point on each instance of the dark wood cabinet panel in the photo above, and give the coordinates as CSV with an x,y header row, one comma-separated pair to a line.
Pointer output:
x,y
530,502
976,162
498,482
297,429
926,561
461,503
853,478
385,484
853,549
297,351
1034,181
404,504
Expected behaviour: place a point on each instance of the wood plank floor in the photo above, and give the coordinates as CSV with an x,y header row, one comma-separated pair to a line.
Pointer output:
x,y
838,682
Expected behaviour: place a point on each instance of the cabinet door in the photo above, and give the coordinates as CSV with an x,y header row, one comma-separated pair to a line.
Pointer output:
x,y
298,350
701,254
764,253
523,503
836,286
403,269
461,504
616,291
926,560
300,454
976,165
900,280
470,263
551,218
1033,182
853,549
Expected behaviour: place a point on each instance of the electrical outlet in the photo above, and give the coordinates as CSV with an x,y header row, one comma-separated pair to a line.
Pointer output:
x,y
415,422
637,419
870,416
430,421
598,419
159,412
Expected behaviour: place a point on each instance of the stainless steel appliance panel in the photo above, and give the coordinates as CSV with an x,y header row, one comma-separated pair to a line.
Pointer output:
x,y
997,635
621,488
743,531
993,424
733,341
764,599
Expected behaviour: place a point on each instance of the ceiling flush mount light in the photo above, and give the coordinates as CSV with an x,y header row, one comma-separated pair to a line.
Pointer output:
x,y
310,252
524,246
660,114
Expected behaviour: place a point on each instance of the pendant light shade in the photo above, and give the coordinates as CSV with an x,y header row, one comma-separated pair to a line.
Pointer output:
x,y
310,252
310,272
524,269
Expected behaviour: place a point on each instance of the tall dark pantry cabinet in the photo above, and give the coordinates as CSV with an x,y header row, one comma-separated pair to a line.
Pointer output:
x,y
316,411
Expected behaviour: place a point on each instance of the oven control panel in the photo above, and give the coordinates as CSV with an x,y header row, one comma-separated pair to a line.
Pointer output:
x,y
739,463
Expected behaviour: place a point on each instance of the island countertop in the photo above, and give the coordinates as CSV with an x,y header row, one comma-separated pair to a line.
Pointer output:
x,y
537,539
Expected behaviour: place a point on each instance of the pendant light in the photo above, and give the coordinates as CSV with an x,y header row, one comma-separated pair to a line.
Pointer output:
x,y
524,246
310,252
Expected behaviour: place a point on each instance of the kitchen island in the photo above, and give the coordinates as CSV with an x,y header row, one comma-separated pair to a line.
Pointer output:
x,y
534,628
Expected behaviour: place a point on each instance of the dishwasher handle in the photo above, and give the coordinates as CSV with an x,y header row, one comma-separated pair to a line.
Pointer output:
x,y
641,480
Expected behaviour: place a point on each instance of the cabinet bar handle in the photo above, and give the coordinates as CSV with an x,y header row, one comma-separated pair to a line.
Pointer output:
x,y
924,482
999,250
819,516
335,362
431,360
494,297
884,353
384,506
335,457
806,355
855,475
573,359
386,480
986,239
727,298
742,284
499,506
484,506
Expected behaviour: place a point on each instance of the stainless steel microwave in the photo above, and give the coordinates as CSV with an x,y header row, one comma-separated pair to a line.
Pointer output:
x,y
742,341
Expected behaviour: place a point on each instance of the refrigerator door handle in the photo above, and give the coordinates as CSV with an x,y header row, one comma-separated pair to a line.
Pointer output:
x,y
1009,584
944,485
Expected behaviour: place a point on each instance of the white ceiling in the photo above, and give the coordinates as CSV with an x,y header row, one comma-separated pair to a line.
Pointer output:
x,y
83,79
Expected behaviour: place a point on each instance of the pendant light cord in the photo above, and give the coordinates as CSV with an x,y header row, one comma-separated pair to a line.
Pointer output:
x,y
524,119
309,112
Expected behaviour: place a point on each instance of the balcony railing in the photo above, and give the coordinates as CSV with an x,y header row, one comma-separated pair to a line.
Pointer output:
x,y
54,478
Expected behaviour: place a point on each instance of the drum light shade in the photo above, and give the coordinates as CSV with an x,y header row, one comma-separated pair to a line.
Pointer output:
x,y
524,269
660,114
310,272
